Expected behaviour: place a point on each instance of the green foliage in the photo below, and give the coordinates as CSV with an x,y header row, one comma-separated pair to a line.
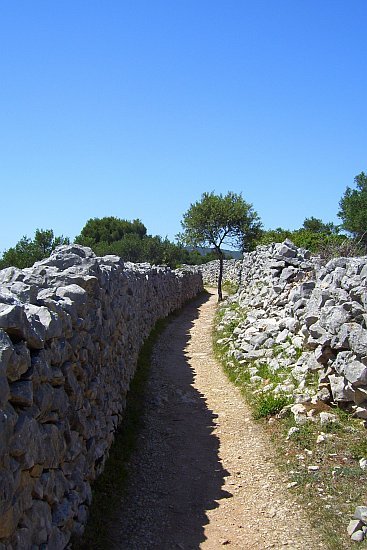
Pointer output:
x,y
315,225
358,448
230,287
26,252
218,220
353,209
306,435
341,247
316,236
268,404
274,236
130,241
315,241
109,230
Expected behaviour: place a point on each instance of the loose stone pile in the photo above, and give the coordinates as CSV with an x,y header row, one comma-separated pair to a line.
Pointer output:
x,y
302,325
71,328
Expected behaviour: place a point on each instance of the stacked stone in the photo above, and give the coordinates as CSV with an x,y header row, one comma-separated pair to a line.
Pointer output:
x,y
302,318
334,321
357,528
71,328
210,271
294,304
266,331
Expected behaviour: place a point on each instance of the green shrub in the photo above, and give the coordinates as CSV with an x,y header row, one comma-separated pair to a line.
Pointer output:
x,y
306,435
268,404
230,287
358,449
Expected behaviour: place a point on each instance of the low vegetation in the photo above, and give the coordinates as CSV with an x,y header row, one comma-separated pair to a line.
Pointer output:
x,y
229,287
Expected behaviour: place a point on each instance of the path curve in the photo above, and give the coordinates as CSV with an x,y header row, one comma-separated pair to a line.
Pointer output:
x,y
201,476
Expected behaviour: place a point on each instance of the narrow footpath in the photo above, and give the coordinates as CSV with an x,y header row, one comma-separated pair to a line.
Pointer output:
x,y
202,474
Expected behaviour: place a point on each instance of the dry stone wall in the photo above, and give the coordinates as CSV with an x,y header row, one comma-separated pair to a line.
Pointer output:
x,y
231,271
300,328
308,317
71,328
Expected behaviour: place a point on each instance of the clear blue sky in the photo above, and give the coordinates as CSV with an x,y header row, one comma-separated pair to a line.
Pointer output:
x,y
134,108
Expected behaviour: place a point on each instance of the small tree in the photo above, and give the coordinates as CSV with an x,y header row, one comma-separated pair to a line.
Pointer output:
x,y
353,209
109,230
315,225
216,221
26,252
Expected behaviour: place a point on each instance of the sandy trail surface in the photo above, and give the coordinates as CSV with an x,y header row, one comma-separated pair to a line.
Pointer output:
x,y
202,475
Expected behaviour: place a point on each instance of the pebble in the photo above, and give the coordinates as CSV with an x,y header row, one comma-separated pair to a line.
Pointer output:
x,y
354,525
358,536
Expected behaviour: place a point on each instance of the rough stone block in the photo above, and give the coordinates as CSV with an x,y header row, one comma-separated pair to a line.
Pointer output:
x,y
356,373
341,391
21,393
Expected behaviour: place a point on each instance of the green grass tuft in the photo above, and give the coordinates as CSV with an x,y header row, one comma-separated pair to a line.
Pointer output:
x,y
267,404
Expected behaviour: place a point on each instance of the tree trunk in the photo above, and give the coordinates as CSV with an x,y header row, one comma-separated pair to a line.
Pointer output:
x,y
220,276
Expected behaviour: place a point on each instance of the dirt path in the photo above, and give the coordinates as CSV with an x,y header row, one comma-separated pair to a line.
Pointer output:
x,y
201,476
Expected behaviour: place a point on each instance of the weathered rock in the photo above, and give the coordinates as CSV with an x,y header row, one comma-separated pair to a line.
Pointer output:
x,y
19,362
209,271
8,522
327,418
300,414
333,318
360,513
14,321
71,329
340,389
360,394
358,536
52,326
285,249
21,393
356,373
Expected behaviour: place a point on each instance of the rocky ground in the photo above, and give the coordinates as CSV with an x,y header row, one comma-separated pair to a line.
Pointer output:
x,y
203,474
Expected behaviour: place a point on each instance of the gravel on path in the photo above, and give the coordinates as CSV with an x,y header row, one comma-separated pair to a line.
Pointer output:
x,y
202,475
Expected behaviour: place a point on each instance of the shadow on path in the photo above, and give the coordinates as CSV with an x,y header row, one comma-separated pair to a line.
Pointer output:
x,y
175,474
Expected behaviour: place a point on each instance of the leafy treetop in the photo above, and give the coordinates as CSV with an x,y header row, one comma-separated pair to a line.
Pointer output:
x,y
109,230
27,251
353,209
315,225
218,220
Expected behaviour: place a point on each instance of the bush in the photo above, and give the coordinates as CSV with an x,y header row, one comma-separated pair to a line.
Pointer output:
x,y
268,404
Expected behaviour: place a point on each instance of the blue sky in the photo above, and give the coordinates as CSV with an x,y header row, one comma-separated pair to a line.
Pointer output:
x,y
135,108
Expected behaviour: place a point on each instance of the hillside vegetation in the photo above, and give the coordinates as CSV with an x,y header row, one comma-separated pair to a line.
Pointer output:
x,y
130,241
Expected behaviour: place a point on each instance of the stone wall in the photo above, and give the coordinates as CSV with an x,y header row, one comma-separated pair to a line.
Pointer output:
x,y
298,314
231,271
71,328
